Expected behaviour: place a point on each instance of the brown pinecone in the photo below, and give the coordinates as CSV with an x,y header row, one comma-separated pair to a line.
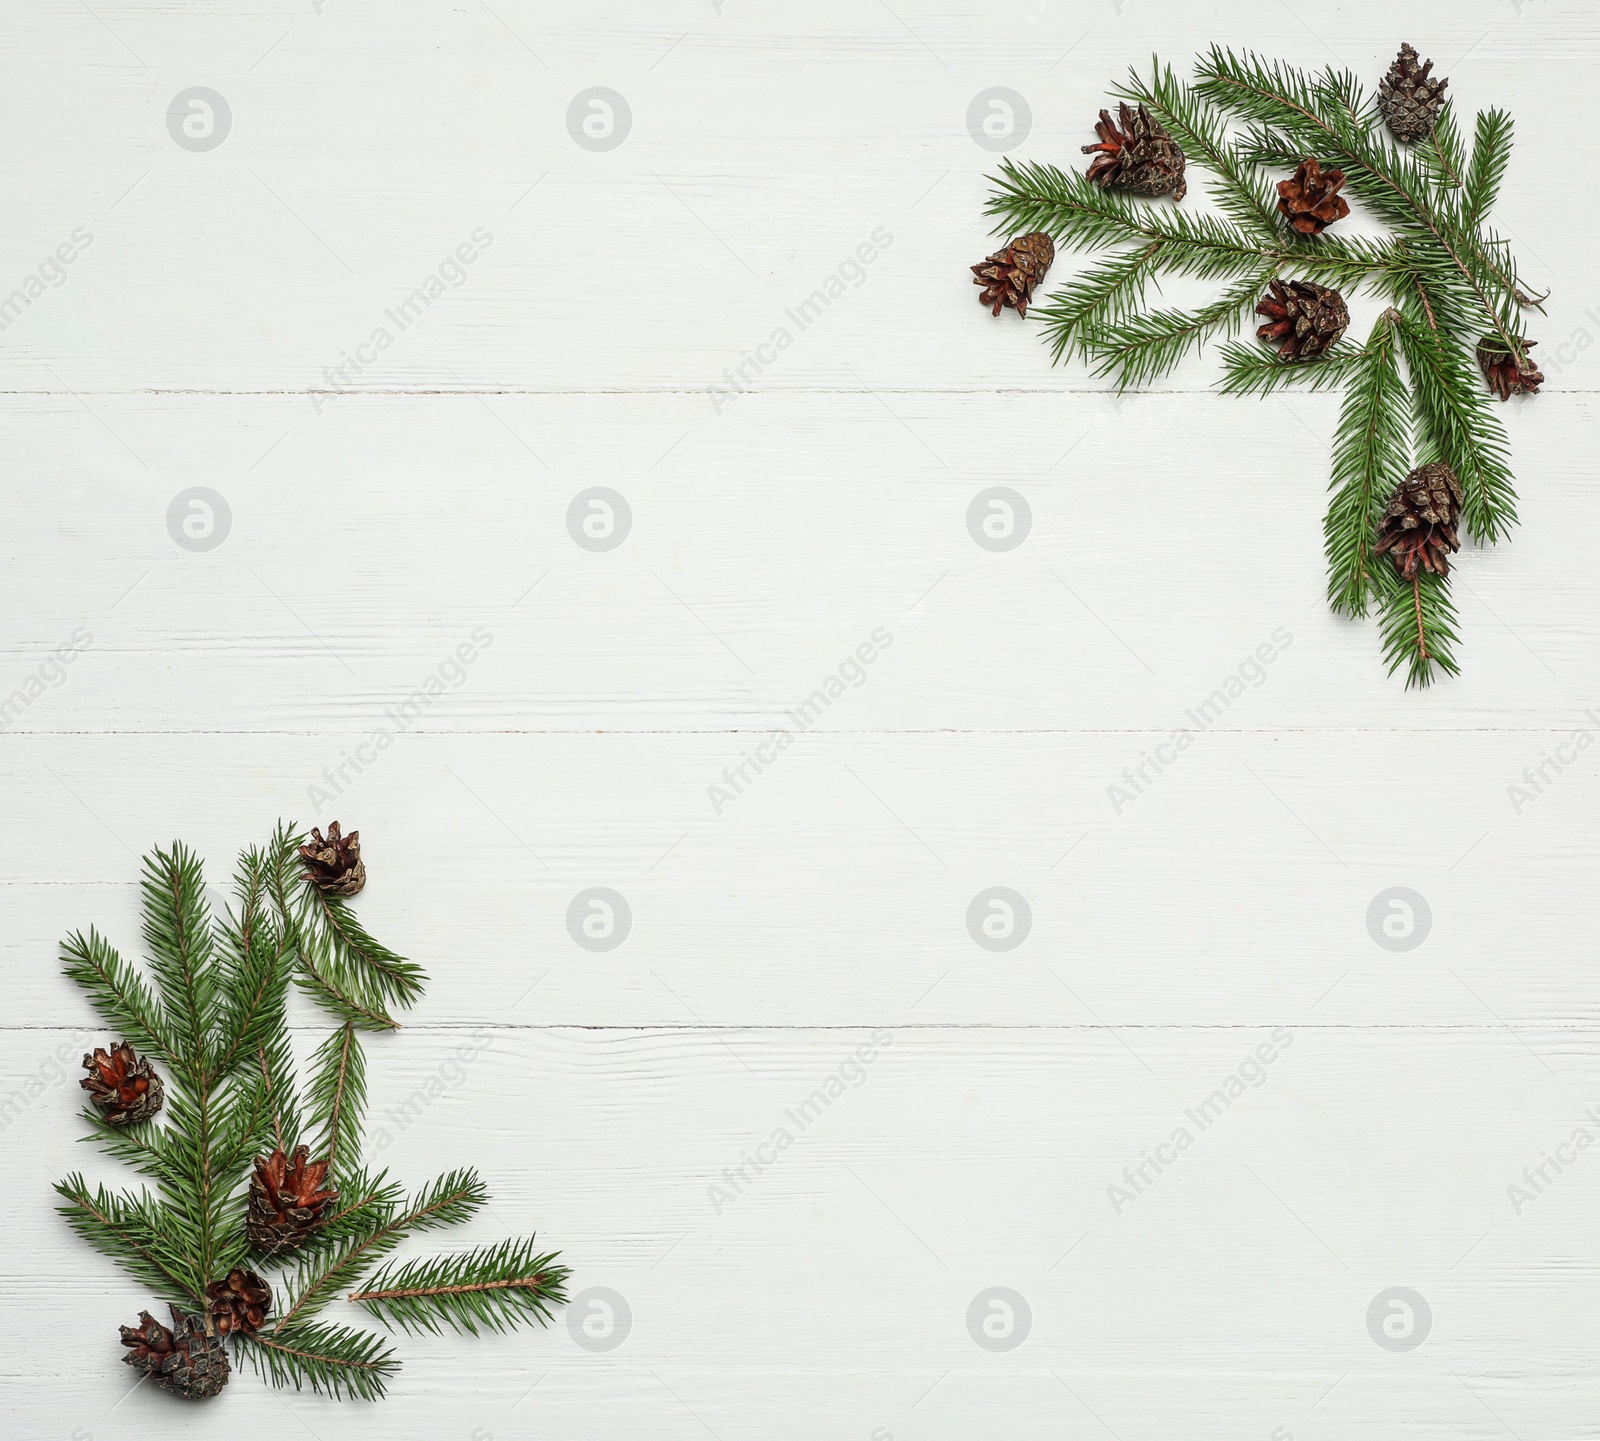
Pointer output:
x,y
1008,276
185,1359
286,1201
1419,523
1507,376
1310,198
1303,319
1140,157
335,865
1408,99
239,1303
123,1086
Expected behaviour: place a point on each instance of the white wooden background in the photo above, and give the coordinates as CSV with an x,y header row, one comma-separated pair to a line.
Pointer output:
x,y
1173,533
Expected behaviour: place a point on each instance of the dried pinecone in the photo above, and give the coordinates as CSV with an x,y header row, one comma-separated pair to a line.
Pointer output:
x,y
287,1202
1140,157
1310,198
184,1360
1408,99
1507,376
239,1303
1008,276
123,1086
1419,523
1303,319
335,865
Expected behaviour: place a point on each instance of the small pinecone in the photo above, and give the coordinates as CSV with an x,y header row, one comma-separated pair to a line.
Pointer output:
x,y
287,1202
1408,99
1310,198
1419,523
1140,157
1303,319
1505,374
1008,276
185,1359
335,865
239,1303
123,1086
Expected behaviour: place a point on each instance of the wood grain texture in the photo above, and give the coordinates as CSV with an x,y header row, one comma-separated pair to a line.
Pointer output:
x,y
389,520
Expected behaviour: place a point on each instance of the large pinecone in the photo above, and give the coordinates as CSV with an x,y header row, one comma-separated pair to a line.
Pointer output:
x,y
1303,319
1507,376
335,865
185,1359
240,1302
1408,99
1140,157
123,1086
287,1202
1008,276
1419,523
1310,198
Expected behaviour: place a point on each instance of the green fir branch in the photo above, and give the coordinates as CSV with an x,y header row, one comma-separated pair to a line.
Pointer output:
x,y
183,958
330,1360
1107,291
336,1099
1258,370
134,1231
119,993
1417,624
493,1288
1143,347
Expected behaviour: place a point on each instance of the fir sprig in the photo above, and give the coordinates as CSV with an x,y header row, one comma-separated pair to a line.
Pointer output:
x,y
493,1288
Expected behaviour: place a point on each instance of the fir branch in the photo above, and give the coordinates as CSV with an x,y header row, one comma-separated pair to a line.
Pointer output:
x,y
1491,154
177,933
1143,347
1444,154
395,978
1369,460
337,1097
132,1229
330,1360
493,1288
1106,291
1258,370
118,992
1417,623
255,971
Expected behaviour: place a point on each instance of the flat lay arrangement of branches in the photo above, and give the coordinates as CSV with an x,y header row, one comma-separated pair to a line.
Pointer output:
x,y
264,1211
1418,450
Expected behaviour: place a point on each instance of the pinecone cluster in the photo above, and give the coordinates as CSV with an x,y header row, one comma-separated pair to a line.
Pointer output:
x,y
1508,376
334,866
124,1086
185,1358
1408,99
240,1303
1303,318
1008,276
1418,528
1310,198
287,1201
1141,157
